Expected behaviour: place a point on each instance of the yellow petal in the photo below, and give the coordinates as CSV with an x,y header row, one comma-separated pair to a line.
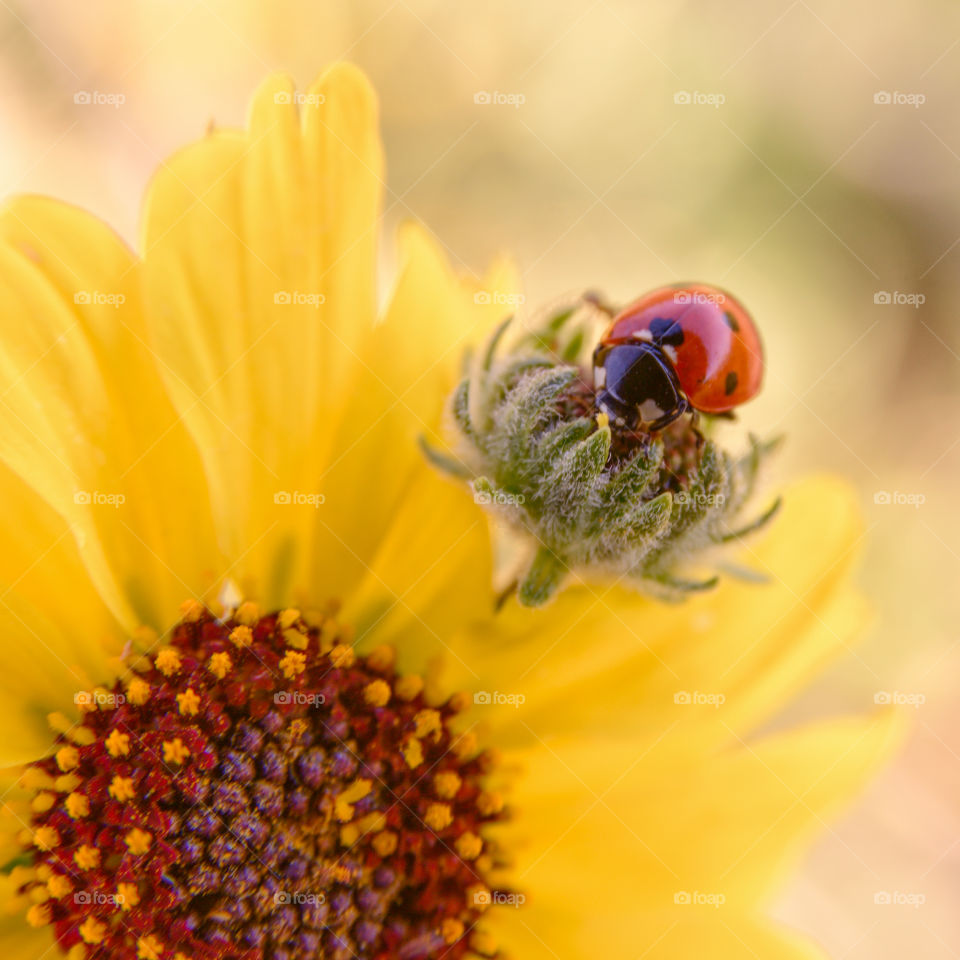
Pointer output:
x,y
259,254
535,931
407,368
430,573
259,265
642,825
404,523
432,318
85,418
57,631
602,658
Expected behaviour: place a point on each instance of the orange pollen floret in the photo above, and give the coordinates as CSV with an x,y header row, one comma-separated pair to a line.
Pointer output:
x,y
67,758
33,778
138,692
92,930
43,802
465,744
138,841
59,886
59,722
296,639
81,736
241,636
298,728
489,803
117,744
412,753
39,893
355,792
478,896
39,915
86,857
141,664
288,618
175,751
46,838
427,721
86,703
446,785
145,637
293,664
19,876
408,688
248,613
77,805
382,658
149,948
128,895
191,610
385,843
219,665
469,845
188,702
484,943
168,661
342,656
460,701
122,789
329,632
451,929
377,693
67,783
349,834
438,816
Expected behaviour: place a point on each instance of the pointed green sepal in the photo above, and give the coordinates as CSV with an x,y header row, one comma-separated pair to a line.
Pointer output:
x,y
542,580
444,461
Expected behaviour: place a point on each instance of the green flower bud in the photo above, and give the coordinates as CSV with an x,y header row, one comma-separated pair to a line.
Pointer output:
x,y
593,498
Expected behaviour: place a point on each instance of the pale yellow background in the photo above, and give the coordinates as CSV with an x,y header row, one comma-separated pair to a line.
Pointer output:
x,y
798,192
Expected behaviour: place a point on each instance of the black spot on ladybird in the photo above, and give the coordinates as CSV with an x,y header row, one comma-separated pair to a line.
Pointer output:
x,y
666,332
730,384
731,322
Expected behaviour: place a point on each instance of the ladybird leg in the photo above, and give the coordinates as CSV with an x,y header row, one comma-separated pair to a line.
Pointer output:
x,y
695,427
681,408
596,301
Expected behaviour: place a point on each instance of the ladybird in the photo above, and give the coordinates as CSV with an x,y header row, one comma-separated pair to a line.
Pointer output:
x,y
678,348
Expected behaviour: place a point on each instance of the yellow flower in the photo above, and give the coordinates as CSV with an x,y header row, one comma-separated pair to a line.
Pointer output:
x,y
231,416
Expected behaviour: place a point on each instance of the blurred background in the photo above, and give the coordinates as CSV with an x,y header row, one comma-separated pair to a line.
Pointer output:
x,y
805,155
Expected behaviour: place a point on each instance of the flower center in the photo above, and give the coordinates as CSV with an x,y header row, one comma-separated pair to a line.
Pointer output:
x,y
255,789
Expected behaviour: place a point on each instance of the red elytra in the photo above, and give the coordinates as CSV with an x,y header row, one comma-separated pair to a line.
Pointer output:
x,y
706,336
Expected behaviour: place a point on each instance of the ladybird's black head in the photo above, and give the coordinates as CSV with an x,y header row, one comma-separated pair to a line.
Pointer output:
x,y
636,384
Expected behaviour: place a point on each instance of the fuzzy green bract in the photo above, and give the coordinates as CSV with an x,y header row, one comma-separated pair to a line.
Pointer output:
x,y
585,509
